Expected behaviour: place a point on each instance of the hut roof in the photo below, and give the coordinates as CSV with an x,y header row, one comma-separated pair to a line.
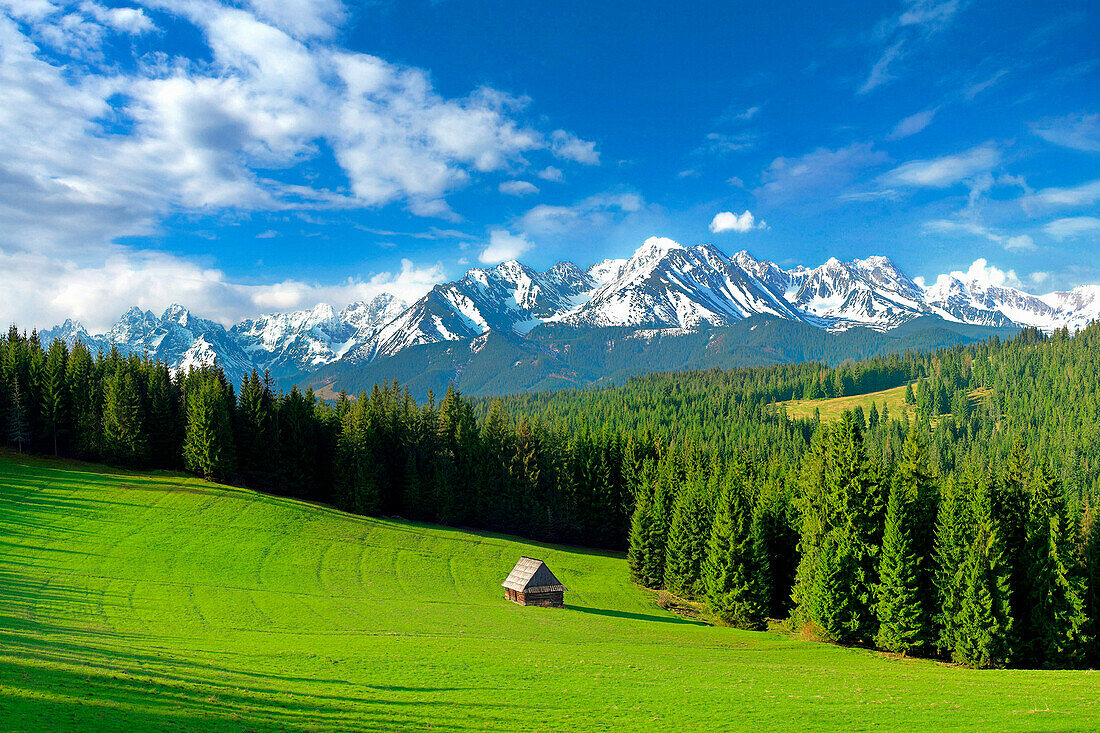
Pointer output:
x,y
532,576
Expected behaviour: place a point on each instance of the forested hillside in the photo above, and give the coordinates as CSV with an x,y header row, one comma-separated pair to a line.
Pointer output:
x,y
968,533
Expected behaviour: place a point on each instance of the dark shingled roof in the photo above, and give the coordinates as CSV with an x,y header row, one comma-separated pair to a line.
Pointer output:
x,y
532,576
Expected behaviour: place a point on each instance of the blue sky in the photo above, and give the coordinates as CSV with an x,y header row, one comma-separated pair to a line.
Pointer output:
x,y
268,155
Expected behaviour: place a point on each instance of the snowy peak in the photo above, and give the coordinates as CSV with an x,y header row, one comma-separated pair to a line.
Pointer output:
x,y
662,285
665,284
870,292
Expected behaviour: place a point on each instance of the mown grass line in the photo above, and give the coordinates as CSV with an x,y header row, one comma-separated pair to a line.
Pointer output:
x,y
133,601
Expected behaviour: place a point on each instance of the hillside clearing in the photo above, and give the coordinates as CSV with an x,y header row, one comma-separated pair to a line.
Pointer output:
x,y
832,409
134,601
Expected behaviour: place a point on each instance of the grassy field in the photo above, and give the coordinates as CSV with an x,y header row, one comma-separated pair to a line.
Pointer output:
x,y
832,409
156,602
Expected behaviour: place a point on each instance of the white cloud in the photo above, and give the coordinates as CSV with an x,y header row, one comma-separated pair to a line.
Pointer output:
x,y
748,114
518,188
302,18
590,213
550,173
1007,241
978,87
900,34
1080,131
727,221
202,136
821,173
986,274
125,20
946,170
1072,227
1084,194
93,152
913,124
568,146
880,72
42,290
503,245
720,143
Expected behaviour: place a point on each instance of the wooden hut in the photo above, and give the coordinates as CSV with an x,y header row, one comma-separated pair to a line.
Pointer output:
x,y
532,584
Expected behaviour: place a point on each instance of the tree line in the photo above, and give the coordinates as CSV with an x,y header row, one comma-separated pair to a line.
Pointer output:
x,y
381,454
968,533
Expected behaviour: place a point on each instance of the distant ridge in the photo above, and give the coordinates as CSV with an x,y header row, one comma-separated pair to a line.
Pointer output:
x,y
662,287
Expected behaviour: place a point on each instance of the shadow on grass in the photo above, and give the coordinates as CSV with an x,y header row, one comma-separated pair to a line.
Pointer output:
x,y
635,616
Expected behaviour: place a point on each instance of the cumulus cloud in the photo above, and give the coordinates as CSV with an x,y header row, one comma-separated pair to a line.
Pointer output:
x,y
727,221
125,20
92,152
1073,227
503,245
983,272
42,290
568,146
1079,131
518,188
946,170
552,174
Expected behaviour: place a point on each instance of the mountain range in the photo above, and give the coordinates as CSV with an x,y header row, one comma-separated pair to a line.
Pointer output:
x,y
663,291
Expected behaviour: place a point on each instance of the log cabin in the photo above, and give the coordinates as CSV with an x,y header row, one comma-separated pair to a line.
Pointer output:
x,y
532,584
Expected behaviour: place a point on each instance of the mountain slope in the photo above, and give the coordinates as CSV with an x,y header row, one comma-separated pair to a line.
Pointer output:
x,y
663,285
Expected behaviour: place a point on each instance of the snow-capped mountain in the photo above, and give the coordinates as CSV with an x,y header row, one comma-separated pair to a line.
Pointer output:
x,y
508,298
301,341
663,285
870,292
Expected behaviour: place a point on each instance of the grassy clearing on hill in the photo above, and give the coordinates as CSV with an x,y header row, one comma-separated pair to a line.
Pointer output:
x,y
832,409
156,602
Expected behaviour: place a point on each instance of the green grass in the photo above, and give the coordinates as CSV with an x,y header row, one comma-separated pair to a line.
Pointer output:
x,y
832,409
156,602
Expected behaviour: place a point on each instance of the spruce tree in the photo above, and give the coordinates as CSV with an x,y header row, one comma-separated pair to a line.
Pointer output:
x,y
1090,525
981,636
208,441
644,554
687,541
1057,614
55,396
954,535
902,617
736,566
124,437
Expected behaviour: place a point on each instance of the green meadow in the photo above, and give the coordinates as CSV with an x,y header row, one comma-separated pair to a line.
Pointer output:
x,y
134,601
832,409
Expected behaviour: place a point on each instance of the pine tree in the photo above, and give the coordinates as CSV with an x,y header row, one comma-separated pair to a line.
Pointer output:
x,y
1091,577
903,620
85,395
687,540
55,402
17,430
736,566
954,536
208,441
1057,615
984,621
644,554
124,437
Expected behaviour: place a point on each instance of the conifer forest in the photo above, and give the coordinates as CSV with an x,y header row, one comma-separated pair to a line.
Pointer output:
x,y
968,533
